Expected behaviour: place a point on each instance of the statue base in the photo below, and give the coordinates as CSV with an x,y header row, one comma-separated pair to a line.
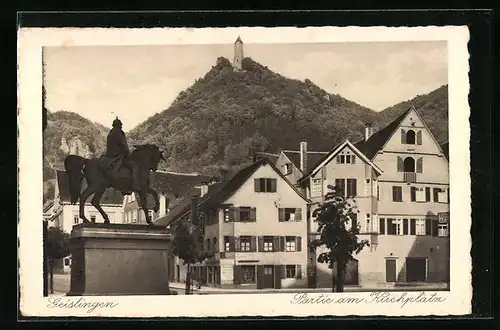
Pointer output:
x,y
119,259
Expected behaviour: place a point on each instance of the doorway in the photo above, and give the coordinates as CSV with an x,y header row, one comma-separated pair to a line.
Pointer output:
x,y
416,269
268,281
390,270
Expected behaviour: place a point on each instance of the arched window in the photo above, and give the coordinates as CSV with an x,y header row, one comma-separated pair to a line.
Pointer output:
x,y
410,137
409,164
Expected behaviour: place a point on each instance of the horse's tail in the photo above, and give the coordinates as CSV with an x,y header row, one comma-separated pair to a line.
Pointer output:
x,y
74,168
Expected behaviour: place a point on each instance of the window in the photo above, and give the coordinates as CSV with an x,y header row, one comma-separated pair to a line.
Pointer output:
x,y
248,274
367,187
409,164
410,137
245,242
76,219
413,194
289,214
286,168
316,187
92,218
290,271
290,245
265,185
378,193
351,188
340,186
151,214
443,229
268,243
214,244
382,226
245,214
397,194
440,195
227,244
66,262
226,214
345,157
208,244
419,194
394,227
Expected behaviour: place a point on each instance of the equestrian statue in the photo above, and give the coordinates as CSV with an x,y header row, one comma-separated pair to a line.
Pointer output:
x,y
118,168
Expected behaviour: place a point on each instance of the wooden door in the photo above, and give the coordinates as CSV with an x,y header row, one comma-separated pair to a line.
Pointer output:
x,y
268,280
390,270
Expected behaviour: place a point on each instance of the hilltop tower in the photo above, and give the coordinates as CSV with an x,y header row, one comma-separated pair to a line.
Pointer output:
x,y
238,54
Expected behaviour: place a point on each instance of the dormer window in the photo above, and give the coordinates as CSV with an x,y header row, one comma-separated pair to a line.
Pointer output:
x,y
286,168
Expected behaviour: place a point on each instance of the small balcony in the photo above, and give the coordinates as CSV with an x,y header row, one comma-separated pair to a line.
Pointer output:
x,y
409,177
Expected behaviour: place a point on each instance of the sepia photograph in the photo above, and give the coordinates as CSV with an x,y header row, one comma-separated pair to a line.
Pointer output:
x,y
307,169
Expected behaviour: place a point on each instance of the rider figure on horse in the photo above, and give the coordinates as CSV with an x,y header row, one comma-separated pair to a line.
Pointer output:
x,y
117,147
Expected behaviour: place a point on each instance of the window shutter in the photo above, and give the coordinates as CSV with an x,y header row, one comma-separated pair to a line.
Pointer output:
x,y
253,244
231,244
405,226
323,172
413,227
276,244
298,214
256,185
400,164
420,164
261,243
419,137
282,243
382,226
281,214
231,214
436,194
403,136
413,193
236,211
298,243
253,214
353,161
274,184
428,227
260,276
338,159
390,227
278,275
236,244
298,271
237,276
394,194
427,194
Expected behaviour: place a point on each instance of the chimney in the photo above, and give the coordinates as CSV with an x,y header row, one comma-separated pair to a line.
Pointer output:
x,y
194,210
303,157
203,189
368,130
163,205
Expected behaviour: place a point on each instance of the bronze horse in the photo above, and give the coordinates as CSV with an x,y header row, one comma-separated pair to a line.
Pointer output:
x,y
100,177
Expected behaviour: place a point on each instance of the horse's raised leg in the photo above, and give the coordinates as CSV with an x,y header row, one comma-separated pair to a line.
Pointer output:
x,y
96,203
83,198
155,196
144,201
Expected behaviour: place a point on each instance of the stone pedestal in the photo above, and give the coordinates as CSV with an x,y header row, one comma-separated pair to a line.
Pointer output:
x,y
119,259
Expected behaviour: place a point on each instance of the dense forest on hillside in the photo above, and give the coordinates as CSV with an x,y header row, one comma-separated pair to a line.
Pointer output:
x,y
226,116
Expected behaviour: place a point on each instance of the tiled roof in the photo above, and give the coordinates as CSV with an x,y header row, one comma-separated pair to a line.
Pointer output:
x,y
318,161
313,158
378,139
446,150
176,184
219,192
110,197
272,157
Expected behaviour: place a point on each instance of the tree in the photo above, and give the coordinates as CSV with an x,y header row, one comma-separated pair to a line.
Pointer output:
x,y
188,237
333,217
57,247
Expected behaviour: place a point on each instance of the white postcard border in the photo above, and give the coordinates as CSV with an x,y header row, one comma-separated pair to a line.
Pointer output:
x,y
32,302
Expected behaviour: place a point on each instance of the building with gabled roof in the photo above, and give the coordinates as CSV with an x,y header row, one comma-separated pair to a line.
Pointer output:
x,y
295,163
401,195
255,225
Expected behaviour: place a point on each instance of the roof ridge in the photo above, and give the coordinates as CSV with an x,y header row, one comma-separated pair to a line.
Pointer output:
x,y
182,173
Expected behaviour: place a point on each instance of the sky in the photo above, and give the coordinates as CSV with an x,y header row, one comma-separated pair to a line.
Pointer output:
x,y
135,82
